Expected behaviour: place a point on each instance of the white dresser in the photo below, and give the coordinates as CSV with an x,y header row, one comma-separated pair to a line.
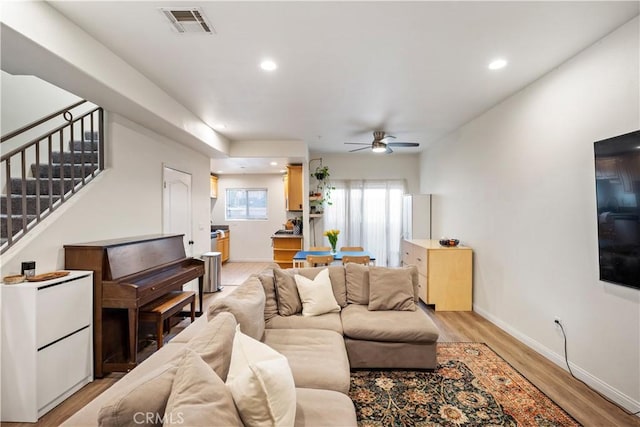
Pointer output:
x,y
47,344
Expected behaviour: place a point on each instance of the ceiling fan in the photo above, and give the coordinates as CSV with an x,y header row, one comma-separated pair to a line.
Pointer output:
x,y
379,145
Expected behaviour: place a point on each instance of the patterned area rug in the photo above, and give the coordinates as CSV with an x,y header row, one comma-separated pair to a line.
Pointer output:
x,y
472,386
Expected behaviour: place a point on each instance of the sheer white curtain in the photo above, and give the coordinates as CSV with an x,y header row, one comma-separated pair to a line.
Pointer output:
x,y
368,213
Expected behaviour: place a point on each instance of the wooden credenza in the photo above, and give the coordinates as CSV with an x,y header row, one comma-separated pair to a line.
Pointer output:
x,y
445,274
47,344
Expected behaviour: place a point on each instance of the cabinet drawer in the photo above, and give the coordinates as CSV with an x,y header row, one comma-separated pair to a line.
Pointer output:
x,y
420,259
405,255
423,292
63,365
62,309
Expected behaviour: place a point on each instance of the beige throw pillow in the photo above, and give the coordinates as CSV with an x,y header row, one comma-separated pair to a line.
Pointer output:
x,y
213,343
261,384
271,302
199,397
391,289
317,294
357,277
287,293
141,403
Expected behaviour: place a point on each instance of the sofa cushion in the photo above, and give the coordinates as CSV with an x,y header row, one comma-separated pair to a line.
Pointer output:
x,y
360,323
316,294
213,344
271,301
246,303
390,289
357,280
287,293
318,358
133,404
322,408
329,321
261,383
199,396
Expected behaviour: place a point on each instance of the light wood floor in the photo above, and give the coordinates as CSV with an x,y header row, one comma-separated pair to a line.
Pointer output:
x,y
585,405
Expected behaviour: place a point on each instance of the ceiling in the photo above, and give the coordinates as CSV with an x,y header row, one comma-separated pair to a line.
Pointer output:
x,y
417,70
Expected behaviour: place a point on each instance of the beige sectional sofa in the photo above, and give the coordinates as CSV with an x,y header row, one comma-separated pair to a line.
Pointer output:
x,y
320,350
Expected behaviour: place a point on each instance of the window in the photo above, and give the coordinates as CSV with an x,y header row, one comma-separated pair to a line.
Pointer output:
x,y
246,203
369,214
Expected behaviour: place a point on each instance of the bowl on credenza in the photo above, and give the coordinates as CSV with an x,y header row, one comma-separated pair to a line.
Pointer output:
x,y
449,242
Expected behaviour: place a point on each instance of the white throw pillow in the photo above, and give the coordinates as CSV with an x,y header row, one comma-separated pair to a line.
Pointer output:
x,y
317,294
261,383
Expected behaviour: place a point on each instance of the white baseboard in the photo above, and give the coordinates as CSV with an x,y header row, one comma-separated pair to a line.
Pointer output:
x,y
597,384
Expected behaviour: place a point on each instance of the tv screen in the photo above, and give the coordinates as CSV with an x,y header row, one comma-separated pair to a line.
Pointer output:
x,y
618,195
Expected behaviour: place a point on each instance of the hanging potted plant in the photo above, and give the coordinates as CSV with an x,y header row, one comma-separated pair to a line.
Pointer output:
x,y
323,187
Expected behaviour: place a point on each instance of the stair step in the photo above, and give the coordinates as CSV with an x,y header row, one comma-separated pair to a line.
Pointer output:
x,y
76,157
88,145
16,185
16,204
16,223
91,136
63,170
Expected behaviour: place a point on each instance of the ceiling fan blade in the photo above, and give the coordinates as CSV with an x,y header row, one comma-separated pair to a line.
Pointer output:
x,y
359,149
389,150
358,143
404,144
387,136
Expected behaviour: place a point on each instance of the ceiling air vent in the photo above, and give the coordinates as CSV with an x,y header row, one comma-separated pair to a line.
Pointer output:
x,y
188,20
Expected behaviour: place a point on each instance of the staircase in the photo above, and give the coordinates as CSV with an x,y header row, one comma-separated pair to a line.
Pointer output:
x,y
33,193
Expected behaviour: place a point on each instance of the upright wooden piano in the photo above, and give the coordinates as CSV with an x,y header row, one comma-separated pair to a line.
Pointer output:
x,y
129,273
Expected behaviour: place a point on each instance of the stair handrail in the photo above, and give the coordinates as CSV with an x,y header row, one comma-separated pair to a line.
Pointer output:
x,y
94,121
44,135
40,121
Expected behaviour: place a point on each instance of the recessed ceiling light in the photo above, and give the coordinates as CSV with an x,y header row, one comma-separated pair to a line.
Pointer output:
x,y
497,64
220,171
274,163
268,65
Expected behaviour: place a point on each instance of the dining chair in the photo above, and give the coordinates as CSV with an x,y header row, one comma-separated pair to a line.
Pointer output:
x,y
320,248
357,259
316,260
351,249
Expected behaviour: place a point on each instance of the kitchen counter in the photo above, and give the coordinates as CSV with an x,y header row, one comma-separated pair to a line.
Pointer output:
x,y
285,245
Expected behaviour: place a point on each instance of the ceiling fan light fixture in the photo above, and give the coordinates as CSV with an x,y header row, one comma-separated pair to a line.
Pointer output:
x,y
378,147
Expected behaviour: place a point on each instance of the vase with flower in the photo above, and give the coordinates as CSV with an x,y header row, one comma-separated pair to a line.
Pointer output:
x,y
332,235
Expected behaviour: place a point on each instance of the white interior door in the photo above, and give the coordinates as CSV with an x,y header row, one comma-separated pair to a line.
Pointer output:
x,y
176,205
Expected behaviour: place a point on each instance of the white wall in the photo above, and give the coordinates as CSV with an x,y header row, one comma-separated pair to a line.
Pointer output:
x,y
126,200
250,241
517,184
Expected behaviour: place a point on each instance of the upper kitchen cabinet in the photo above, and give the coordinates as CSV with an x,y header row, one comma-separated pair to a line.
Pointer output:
x,y
293,188
214,187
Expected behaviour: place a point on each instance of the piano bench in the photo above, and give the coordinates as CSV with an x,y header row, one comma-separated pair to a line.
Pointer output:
x,y
164,307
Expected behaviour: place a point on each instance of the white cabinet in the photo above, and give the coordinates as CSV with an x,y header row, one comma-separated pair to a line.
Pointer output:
x,y
416,216
47,344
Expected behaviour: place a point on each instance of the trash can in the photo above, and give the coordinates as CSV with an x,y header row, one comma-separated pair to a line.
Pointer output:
x,y
212,271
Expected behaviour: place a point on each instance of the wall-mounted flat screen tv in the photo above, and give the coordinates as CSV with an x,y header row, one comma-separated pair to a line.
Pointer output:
x,y
618,195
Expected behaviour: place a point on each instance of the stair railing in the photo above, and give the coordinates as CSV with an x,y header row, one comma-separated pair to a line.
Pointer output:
x,y
55,176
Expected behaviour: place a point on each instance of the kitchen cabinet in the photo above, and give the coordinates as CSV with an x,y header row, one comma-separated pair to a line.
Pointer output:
x,y
445,274
214,186
223,246
293,188
284,248
47,344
